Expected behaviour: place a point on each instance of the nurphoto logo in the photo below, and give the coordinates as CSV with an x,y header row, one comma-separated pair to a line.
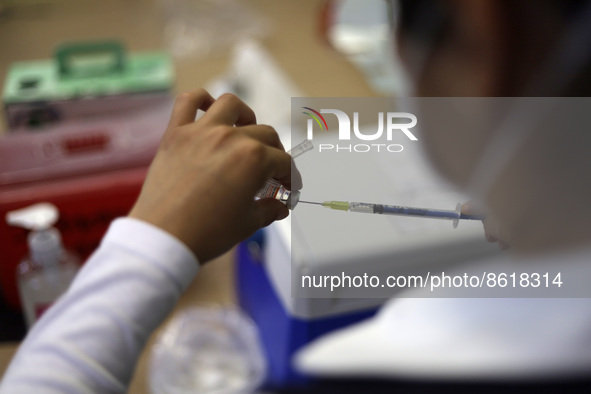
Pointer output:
x,y
389,124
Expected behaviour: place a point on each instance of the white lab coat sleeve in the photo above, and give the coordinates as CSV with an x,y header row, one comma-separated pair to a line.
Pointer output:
x,y
90,340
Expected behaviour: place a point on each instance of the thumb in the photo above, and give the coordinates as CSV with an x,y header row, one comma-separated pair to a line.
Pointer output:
x,y
468,208
268,210
472,207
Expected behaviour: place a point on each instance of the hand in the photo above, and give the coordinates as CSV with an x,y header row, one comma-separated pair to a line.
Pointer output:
x,y
492,228
201,185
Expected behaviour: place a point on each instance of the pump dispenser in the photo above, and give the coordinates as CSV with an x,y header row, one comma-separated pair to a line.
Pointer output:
x,y
49,269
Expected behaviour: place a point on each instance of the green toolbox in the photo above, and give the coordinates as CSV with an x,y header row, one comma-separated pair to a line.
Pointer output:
x,y
84,80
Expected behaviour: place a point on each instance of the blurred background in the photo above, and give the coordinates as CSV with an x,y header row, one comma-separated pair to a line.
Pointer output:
x,y
87,88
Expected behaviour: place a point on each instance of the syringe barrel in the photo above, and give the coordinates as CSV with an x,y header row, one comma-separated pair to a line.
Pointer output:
x,y
361,207
418,212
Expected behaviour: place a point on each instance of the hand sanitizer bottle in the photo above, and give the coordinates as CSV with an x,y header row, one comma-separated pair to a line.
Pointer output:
x,y
49,269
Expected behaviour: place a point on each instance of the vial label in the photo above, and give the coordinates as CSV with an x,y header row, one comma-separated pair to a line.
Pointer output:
x,y
274,189
270,190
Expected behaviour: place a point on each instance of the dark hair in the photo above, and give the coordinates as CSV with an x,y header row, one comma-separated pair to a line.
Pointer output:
x,y
431,21
427,19
422,20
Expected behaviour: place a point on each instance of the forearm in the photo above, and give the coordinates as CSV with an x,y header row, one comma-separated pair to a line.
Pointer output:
x,y
91,339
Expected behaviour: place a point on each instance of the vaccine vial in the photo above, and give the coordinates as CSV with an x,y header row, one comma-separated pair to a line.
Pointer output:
x,y
274,189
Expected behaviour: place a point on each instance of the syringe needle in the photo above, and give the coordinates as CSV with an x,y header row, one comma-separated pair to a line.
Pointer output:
x,y
310,202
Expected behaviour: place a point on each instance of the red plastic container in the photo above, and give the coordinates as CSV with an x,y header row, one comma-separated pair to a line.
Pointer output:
x,y
87,205
92,171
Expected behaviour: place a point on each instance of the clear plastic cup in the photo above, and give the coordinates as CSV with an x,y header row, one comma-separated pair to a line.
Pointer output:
x,y
211,350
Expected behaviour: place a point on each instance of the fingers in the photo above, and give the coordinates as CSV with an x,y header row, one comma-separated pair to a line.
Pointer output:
x,y
492,229
262,133
489,224
267,211
467,208
228,109
504,245
278,166
268,136
492,232
296,178
186,107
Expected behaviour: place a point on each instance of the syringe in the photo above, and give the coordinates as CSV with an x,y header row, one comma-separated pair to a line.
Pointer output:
x,y
380,209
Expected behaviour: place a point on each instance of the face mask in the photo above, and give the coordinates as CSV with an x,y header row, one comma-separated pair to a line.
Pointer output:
x,y
573,54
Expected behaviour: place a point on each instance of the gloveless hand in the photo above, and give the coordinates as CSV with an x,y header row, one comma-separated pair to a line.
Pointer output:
x,y
492,228
201,185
